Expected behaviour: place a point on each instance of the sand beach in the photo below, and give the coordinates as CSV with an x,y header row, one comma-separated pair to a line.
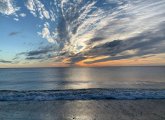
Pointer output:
x,y
83,110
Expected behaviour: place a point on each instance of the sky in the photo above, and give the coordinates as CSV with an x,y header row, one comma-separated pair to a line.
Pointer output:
x,y
63,33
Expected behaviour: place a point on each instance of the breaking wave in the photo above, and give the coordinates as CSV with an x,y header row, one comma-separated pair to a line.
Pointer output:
x,y
82,94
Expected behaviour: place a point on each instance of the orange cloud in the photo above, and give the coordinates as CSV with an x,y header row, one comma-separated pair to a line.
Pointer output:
x,y
136,61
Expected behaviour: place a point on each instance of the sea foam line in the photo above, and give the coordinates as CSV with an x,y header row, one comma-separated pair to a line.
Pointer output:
x,y
82,94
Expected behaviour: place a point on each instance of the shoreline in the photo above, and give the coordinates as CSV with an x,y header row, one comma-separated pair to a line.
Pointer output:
x,y
83,110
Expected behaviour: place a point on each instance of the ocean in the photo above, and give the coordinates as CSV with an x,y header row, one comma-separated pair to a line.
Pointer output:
x,y
84,83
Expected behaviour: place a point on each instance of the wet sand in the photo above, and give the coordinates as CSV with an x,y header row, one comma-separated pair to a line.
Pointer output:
x,y
83,110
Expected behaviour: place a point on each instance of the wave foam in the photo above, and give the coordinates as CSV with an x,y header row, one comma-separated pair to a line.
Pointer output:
x,y
82,94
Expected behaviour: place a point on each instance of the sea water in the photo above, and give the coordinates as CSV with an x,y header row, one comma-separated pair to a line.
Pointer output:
x,y
96,83
81,78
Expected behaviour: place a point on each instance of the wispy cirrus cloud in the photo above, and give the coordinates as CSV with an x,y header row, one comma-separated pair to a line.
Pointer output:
x,y
36,7
147,43
7,7
82,29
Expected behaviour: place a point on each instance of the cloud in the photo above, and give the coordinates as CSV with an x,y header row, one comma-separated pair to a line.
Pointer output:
x,y
5,61
75,59
68,20
35,58
147,43
36,7
22,14
16,19
81,29
95,39
119,29
125,26
42,53
7,7
46,33
41,50
13,33
38,52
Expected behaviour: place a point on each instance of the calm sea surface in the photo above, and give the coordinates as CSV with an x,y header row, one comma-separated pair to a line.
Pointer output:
x,y
80,78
